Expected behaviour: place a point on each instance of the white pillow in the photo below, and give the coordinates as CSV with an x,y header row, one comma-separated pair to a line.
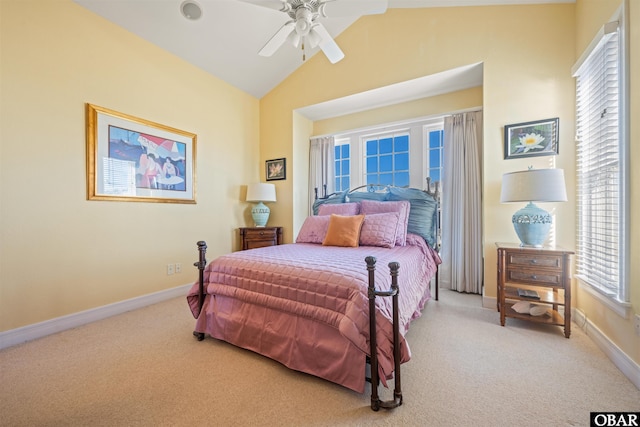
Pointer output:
x,y
538,310
522,307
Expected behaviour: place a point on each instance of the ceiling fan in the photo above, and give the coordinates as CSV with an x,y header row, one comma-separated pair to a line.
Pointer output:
x,y
304,25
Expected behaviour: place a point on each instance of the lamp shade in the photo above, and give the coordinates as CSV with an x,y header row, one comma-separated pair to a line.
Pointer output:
x,y
531,223
534,185
261,192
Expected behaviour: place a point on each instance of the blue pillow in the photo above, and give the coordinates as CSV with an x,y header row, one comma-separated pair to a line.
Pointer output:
x,y
423,215
333,198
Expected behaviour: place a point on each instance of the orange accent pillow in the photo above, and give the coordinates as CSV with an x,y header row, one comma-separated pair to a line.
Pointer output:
x,y
343,231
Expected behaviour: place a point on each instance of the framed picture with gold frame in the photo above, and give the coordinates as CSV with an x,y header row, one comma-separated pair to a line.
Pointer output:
x,y
136,160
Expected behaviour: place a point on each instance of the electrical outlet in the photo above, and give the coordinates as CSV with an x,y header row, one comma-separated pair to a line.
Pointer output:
x,y
637,324
178,268
170,269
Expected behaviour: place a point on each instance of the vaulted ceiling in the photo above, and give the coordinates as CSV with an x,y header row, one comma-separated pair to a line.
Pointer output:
x,y
225,39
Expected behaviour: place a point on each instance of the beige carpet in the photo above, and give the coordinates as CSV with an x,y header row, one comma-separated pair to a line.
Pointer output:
x,y
145,368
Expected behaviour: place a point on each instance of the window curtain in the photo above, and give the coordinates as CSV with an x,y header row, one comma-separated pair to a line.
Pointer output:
x,y
321,167
461,252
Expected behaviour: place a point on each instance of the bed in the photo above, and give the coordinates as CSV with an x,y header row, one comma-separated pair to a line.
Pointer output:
x,y
307,304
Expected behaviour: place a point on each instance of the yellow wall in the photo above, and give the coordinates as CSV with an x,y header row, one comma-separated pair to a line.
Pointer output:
x,y
60,253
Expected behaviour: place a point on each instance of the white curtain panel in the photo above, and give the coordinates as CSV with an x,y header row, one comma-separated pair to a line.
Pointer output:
x,y
461,251
321,167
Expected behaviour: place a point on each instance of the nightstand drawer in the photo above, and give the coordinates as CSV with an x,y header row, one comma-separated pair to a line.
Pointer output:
x,y
260,233
260,237
534,260
548,278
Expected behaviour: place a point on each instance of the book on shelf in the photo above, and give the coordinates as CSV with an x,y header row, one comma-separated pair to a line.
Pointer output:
x,y
528,293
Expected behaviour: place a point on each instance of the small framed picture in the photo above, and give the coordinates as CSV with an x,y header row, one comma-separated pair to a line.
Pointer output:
x,y
276,169
530,139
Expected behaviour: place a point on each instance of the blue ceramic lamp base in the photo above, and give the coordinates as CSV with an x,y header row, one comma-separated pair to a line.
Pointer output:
x,y
260,213
532,225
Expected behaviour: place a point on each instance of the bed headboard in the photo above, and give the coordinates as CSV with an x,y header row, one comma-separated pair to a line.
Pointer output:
x,y
424,214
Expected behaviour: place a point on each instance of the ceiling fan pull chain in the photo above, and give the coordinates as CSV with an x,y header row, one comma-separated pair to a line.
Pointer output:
x,y
304,56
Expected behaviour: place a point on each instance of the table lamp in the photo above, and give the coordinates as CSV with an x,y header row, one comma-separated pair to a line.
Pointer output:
x,y
260,193
532,224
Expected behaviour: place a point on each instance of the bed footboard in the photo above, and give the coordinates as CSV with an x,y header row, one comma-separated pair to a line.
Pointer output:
x,y
376,403
201,264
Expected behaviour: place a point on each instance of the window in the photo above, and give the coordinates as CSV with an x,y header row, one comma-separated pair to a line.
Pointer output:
x,y
387,160
402,154
343,164
433,145
602,147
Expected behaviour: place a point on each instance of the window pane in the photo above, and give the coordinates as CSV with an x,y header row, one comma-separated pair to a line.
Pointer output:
x,y
401,179
346,183
386,163
372,178
386,179
337,166
434,158
386,146
435,139
372,147
402,161
372,164
401,143
345,167
345,150
337,151
434,174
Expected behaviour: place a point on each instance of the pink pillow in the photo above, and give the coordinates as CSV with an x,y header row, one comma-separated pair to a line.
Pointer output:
x,y
345,209
380,230
368,207
314,229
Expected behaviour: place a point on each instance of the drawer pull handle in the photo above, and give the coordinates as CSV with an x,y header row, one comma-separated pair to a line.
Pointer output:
x,y
534,277
534,261
262,233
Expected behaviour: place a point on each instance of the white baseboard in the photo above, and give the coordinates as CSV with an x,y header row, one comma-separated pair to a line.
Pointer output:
x,y
619,358
38,330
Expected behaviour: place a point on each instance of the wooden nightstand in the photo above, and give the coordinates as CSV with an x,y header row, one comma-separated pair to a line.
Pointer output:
x,y
545,270
259,237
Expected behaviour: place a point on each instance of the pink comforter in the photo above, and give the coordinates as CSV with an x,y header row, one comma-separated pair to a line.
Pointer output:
x,y
254,296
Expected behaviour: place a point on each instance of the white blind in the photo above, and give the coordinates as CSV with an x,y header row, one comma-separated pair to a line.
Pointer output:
x,y
599,165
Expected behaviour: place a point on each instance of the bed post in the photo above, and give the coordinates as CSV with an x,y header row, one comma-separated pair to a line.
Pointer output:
x,y
201,264
376,403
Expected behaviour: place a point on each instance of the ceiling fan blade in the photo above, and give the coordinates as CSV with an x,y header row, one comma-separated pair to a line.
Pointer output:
x,y
278,39
271,4
345,8
327,44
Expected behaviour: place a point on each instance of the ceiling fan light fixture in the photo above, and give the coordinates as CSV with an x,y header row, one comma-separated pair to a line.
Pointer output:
x,y
294,38
313,37
191,10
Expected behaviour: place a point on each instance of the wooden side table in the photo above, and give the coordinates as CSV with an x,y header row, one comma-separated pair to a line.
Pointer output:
x,y
544,270
259,237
